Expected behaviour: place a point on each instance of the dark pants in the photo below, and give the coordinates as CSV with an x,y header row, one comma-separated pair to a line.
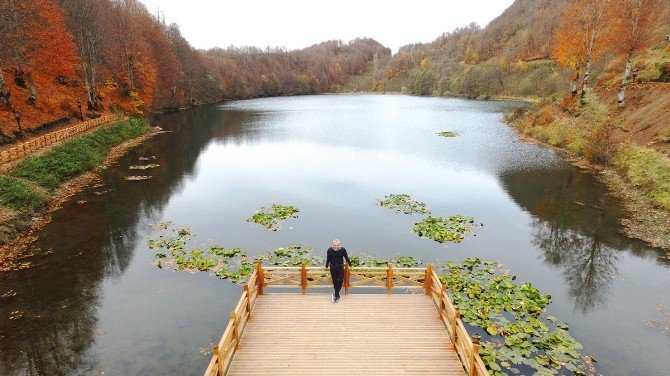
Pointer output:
x,y
337,274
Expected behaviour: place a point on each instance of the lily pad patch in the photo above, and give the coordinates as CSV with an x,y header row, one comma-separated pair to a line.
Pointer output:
x,y
518,332
271,217
143,167
443,230
403,203
447,134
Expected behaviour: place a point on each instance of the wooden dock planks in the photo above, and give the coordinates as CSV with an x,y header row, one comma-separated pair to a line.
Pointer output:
x,y
364,334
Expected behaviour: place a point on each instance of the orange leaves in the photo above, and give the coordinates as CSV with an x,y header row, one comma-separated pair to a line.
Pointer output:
x,y
580,35
633,24
53,51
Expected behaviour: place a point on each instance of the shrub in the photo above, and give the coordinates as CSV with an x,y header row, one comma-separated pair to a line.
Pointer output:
x,y
600,147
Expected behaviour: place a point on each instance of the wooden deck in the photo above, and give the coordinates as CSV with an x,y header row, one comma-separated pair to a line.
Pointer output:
x,y
299,333
294,334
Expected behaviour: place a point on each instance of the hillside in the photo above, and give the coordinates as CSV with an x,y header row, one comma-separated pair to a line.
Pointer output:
x,y
517,55
106,55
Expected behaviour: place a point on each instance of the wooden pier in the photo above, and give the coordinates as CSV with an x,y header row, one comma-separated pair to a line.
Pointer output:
x,y
298,333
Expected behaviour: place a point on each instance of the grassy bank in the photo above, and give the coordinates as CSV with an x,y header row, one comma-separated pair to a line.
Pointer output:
x,y
596,136
28,187
648,170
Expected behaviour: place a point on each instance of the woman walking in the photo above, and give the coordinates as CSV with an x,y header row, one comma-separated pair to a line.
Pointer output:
x,y
335,259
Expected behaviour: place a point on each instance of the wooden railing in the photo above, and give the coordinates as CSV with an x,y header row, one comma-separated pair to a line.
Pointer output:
x,y
24,149
467,349
230,341
304,278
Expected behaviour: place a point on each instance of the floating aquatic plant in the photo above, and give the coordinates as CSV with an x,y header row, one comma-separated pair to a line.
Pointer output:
x,y
447,134
520,334
444,230
293,255
271,217
143,167
225,263
138,177
398,261
403,203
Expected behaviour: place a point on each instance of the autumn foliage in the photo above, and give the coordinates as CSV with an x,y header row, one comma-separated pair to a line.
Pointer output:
x,y
57,56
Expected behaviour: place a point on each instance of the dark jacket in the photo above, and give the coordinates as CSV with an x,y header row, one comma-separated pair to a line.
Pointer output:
x,y
335,258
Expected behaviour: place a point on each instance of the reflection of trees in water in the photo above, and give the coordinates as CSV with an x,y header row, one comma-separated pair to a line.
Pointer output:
x,y
93,241
588,264
575,225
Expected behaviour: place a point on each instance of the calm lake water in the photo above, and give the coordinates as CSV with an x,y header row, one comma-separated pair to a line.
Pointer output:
x,y
96,303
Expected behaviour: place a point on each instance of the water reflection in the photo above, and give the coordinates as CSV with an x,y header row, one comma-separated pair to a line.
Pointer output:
x,y
57,300
576,228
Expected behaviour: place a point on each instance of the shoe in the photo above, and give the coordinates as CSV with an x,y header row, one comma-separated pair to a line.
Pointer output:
x,y
332,298
337,299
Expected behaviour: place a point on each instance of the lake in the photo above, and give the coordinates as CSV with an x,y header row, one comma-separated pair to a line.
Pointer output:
x,y
94,303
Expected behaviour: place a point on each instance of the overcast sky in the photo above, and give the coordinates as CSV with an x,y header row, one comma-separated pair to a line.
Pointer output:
x,y
296,24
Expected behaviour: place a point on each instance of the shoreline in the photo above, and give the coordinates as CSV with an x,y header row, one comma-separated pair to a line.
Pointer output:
x,y
644,221
14,252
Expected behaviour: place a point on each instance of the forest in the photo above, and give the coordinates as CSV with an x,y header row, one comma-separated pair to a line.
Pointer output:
x,y
537,49
64,59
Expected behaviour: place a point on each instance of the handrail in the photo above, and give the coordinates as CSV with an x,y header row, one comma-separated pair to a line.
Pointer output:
x,y
305,277
388,277
466,348
230,341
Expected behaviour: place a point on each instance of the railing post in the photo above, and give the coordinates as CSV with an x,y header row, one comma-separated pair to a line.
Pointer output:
x,y
473,354
260,279
347,274
219,365
303,278
246,289
389,278
236,333
428,281
442,305
454,328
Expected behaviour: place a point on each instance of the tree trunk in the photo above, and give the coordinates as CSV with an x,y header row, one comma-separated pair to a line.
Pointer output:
x,y
592,42
621,98
92,63
587,73
575,83
32,95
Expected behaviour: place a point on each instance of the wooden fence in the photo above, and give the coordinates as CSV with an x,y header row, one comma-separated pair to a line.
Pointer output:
x,y
24,149
467,349
304,278
230,341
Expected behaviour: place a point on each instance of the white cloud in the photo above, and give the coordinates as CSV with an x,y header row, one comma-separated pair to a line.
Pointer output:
x,y
298,23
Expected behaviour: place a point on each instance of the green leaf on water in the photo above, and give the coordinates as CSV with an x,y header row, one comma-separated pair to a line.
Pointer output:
x,y
271,217
403,203
444,230
518,333
447,134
